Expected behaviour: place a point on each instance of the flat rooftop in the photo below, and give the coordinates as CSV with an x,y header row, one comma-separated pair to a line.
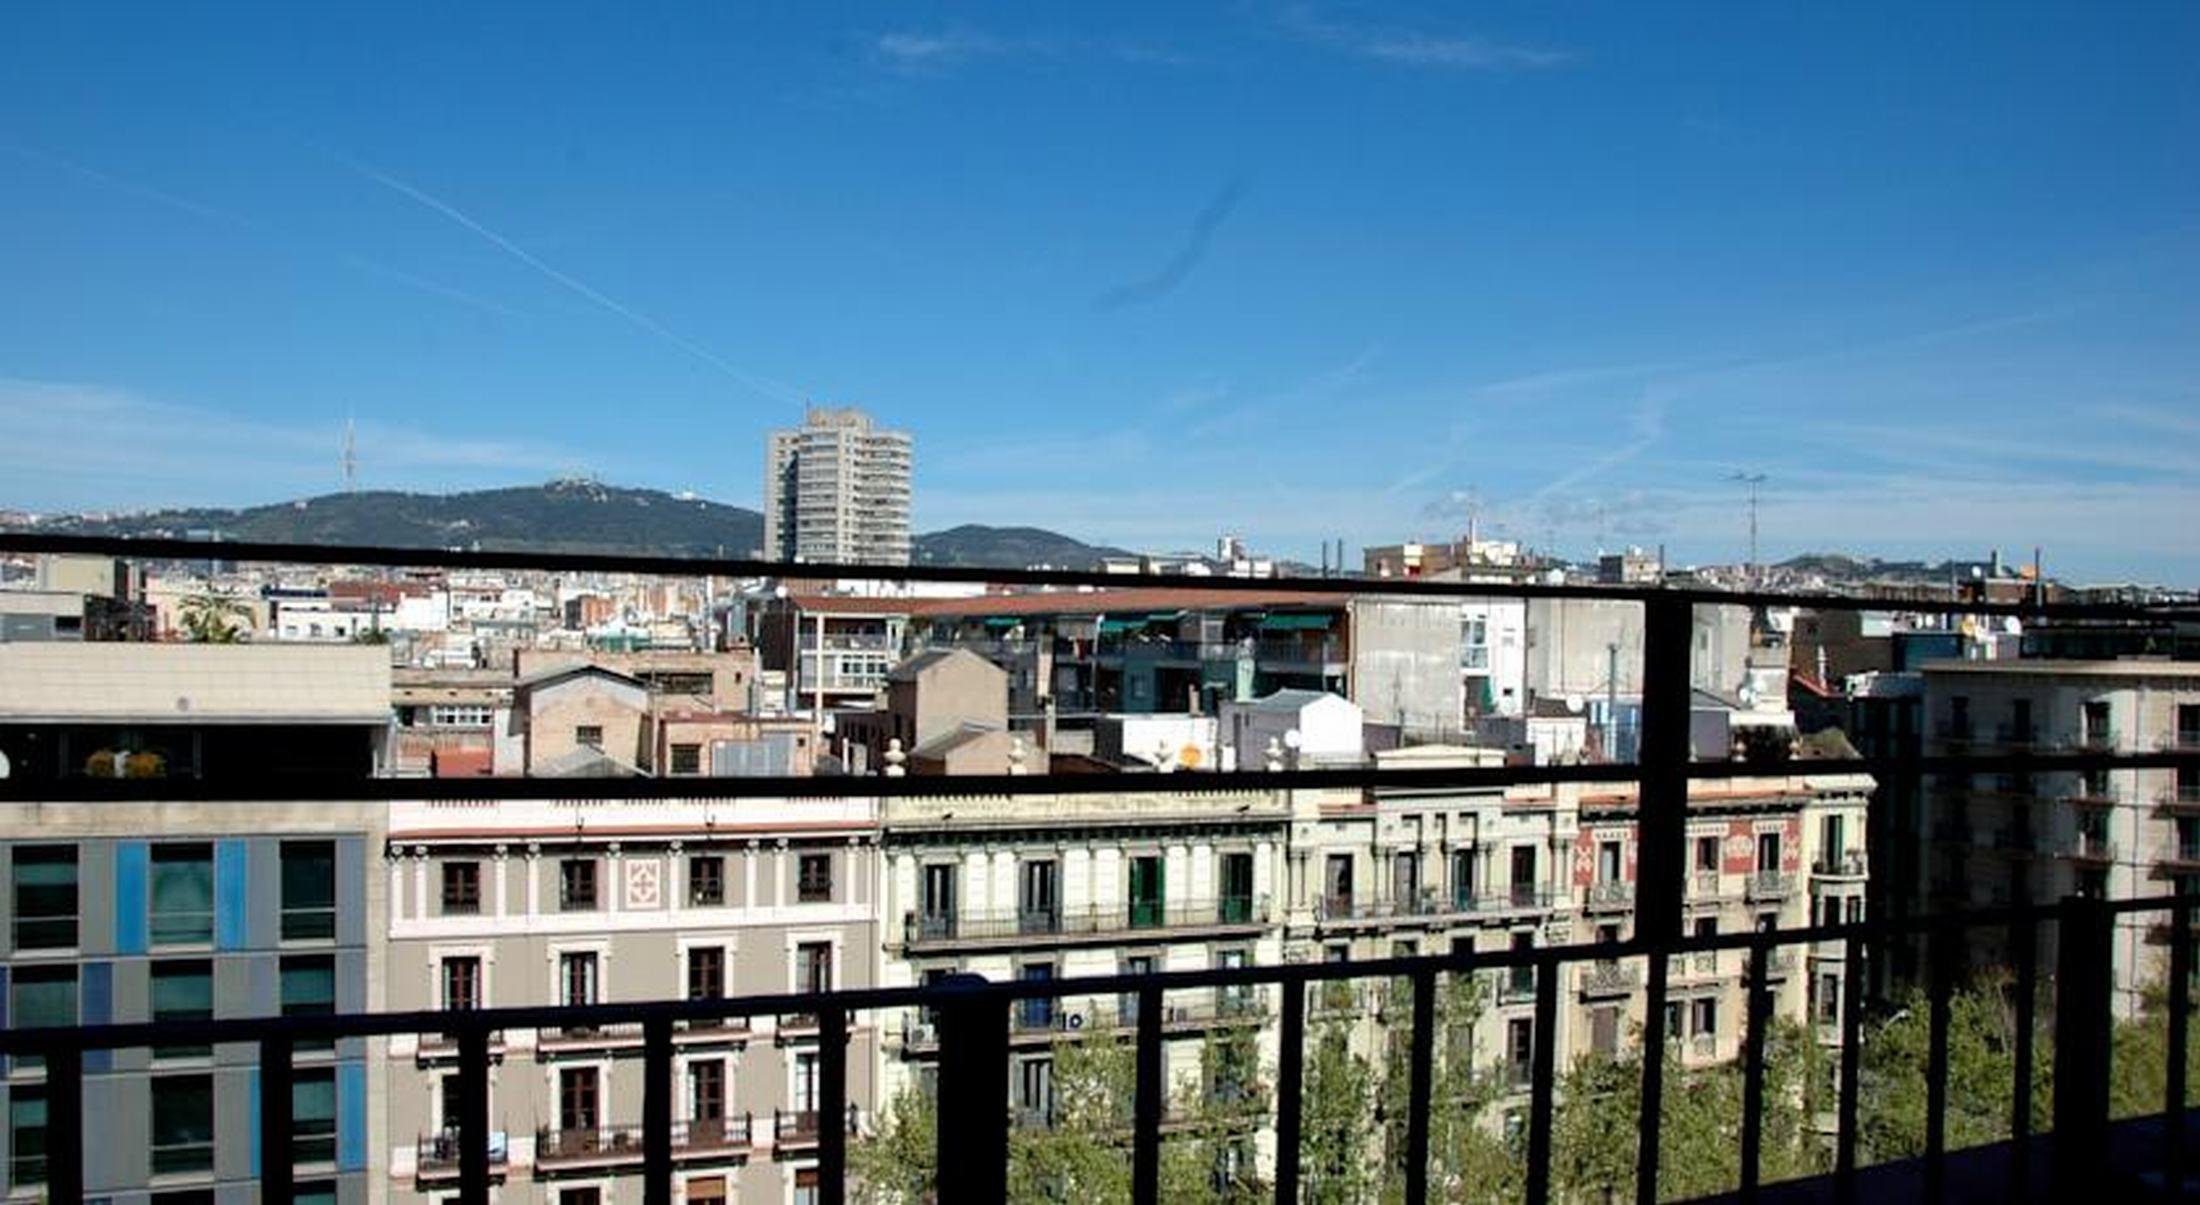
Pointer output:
x,y
63,683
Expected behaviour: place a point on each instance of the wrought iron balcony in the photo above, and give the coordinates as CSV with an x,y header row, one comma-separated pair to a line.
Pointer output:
x,y
1769,885
1610,979
1611,896
436,1156
1023,927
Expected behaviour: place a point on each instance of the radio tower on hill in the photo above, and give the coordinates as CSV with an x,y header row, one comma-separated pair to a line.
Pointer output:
x,y
351,457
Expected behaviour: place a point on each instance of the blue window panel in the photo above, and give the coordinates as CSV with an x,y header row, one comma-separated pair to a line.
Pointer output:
x,y
96,1006
231,892
252,1121
133,865
351,1116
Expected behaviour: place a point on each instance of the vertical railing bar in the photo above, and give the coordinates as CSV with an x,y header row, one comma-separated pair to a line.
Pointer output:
x,y
1290,1073
1852,1037
1540,1091
1940,986
473,1115
833,1118
970,1154
1661,813
65,1124
2024,935
1146,1121
1653,1079
657,1111
2180,1004
277,1157
1757,1011
1421,1063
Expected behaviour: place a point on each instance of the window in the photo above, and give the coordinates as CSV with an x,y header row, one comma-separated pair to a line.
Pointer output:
x,y
1035,1090
1704,1017
1523,876
1673,1019
1337,884
805,1186
313,1116
805,1082
577,885
1608,862
813,967
1707,926
1147,891
1768,853
316,1192
1036,1012
577,977
1519,1050
1707,854
1523,975
461,983
309,989
458,715
577,1100
183,894
461,888
1405,878
1833,840
1038,906
1604,1031
1237,888
182,990
687,759
589,736
813,882
40,996
27,1134
309,890
706,972
1829,1000
706,881
2097,731
1462,878
45,897
183,1123
580,1196
707,1090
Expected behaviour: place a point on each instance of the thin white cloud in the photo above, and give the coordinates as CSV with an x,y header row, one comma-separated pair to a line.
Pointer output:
x,y
76,446
930,52
758,384
1420,48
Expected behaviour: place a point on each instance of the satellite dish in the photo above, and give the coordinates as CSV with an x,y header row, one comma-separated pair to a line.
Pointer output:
x,y
1574,703
3,765
1294,738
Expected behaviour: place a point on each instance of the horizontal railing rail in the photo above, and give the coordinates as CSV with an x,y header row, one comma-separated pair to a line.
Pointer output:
x,y
269,552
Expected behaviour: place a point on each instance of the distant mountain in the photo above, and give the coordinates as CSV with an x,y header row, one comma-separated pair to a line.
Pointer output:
x,y
571,515
1008,547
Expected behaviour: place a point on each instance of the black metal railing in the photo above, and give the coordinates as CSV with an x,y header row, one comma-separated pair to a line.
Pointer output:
x,y
1024,925
973,1016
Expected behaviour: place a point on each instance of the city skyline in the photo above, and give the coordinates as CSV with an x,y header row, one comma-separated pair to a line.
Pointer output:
x,y
1297,272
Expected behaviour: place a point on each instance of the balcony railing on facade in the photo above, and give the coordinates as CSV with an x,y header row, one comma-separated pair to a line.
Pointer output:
x,y
1850,864
1435,906
1038,926
805,1128
436,1156
1768,885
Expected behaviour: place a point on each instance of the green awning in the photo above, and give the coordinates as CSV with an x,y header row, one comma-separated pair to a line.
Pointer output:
x,y
1121,625
1296,623
1002,621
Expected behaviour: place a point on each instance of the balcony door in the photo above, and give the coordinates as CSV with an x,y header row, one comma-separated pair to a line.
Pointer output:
x,y
578,1104
1147,892
1038,899
1523,874
1237,888
939,898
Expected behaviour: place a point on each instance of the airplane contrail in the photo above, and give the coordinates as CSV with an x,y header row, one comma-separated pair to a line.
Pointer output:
x,y
764,385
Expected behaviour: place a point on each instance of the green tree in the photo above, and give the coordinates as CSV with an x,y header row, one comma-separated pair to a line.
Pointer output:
x,y
214,619
1337,1100
2138,1064
899,1163
1892,1098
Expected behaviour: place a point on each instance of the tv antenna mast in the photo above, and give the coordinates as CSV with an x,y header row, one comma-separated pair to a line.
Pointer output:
x,y
351,456
1754,481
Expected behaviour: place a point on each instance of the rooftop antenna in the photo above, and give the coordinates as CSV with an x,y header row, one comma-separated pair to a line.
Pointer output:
x,y
351,456
1754,481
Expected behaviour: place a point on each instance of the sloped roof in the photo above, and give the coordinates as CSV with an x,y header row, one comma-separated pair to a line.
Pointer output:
x,y
1290,700
195,683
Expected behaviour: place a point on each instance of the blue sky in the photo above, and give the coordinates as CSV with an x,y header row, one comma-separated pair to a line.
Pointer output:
x,y
1142,273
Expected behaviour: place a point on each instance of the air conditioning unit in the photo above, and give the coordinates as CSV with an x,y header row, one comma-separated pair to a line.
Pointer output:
x,y
1073,1020
1180,1012
923,1034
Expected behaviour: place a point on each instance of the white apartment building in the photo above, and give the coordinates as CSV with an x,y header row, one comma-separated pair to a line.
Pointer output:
x,y
836,489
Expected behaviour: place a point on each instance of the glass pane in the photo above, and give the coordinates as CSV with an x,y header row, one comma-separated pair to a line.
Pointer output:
x,y
309,985
183,894
45,896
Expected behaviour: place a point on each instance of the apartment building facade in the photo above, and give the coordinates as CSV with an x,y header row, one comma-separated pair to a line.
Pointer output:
x,y
836,490
2016,837
518,903
1125,881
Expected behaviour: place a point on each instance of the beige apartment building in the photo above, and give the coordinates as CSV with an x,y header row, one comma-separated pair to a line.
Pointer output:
x,y
2011,838
518,903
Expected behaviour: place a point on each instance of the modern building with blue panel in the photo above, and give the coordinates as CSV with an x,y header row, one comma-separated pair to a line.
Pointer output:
x,y
143,912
